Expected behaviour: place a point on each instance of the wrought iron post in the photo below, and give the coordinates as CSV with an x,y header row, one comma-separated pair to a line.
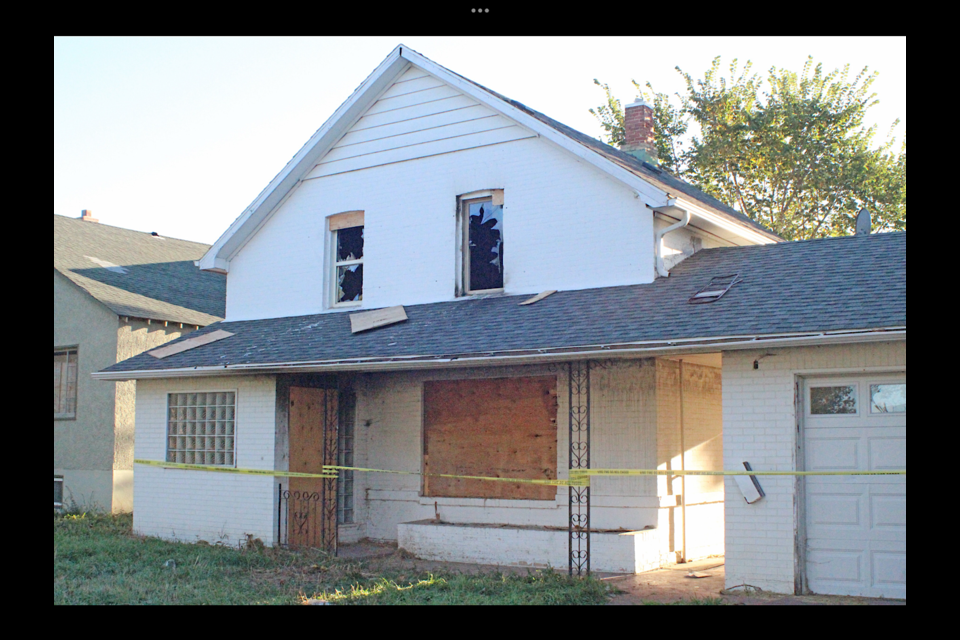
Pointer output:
x,y
578,378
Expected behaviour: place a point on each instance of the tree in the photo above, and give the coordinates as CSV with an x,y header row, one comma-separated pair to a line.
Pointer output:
x,y
790,152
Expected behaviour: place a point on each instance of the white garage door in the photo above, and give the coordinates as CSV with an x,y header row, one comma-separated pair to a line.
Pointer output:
x,y
856,526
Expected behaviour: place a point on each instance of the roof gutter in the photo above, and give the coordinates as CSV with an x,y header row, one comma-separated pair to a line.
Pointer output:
x,y
530,356
670,209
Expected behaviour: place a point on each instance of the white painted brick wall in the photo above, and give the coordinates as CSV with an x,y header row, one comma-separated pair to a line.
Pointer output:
x,y
506,546
759,419
198,505
566,226
389,436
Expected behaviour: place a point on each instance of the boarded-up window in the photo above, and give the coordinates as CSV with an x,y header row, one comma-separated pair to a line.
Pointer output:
x,y
497,427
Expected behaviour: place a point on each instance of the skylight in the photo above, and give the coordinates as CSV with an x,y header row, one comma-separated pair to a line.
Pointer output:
x,y
715,290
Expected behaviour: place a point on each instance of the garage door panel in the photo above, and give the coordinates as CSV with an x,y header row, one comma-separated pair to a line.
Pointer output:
x,y
832,509
834,565
889,570
832,454
887,453
888,511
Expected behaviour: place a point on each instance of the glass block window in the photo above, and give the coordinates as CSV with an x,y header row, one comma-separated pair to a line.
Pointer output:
x,y
64,383
201,428
348,415
838,400
888,398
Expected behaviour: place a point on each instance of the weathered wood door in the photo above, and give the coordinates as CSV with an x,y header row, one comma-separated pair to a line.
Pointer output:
x,y
312,506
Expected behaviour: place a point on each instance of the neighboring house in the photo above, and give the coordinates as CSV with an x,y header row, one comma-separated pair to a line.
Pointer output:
x,y
116,293
682,336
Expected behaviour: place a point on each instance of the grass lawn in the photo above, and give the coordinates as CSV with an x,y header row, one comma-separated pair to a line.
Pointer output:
x,y
98,560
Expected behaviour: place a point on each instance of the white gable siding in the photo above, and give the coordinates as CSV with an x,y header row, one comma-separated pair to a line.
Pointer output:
x,y
417,116
566,226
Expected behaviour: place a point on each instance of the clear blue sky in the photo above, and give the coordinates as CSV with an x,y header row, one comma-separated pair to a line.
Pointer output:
x,y
179,135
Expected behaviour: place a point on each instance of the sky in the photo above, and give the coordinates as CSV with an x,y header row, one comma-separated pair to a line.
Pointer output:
x,y
178,135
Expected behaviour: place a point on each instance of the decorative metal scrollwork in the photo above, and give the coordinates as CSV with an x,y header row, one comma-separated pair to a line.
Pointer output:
x,y
578,377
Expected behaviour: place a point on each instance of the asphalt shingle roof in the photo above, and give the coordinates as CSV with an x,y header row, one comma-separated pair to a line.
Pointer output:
x,y
833,284
156,279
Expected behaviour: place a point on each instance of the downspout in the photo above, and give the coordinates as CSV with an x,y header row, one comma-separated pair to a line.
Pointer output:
x,y
671,209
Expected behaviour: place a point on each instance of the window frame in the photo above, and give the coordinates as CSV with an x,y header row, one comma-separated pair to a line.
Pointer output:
x,y
463,240
64,385
333,230
235,435
57,480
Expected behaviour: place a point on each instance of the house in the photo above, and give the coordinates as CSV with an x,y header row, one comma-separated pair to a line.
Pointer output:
x,y
116,293
374,321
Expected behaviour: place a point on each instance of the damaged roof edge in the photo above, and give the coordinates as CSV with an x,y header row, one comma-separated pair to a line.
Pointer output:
x,y
533,356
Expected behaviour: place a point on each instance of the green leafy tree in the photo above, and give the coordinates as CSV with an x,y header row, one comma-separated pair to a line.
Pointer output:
x,y
790,151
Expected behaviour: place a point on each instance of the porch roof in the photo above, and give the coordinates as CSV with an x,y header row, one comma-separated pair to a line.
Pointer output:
x,y
834,284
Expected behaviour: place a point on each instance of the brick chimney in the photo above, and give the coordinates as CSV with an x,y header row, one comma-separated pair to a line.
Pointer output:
x,y
87,215
638,130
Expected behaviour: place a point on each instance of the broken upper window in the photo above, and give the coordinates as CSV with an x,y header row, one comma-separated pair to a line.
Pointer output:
x,y
347,229
483,253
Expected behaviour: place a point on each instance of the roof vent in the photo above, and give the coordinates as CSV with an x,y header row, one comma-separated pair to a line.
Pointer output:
x,y
715,290
863,223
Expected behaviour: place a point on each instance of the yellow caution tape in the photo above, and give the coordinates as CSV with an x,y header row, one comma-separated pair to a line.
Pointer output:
x,y
678,472
573,482
250,472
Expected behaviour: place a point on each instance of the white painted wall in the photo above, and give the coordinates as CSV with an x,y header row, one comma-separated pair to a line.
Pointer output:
x,y
760,426
566,226
682,243
198,505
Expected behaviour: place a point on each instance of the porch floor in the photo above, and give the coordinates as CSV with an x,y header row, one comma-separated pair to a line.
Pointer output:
x,y
667,585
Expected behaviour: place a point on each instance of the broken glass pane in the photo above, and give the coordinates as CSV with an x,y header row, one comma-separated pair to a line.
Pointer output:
x,y
833,400
349,244
888,398
486,246
350,283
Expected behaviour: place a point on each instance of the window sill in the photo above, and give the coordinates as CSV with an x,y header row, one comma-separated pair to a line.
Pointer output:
x,y
493,503
66,417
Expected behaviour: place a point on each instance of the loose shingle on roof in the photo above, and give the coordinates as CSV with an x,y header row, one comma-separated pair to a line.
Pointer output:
x,y
136,274
834,284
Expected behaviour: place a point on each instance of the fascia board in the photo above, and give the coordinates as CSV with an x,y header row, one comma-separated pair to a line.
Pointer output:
x,y
245,226
650,193
753,236
637,350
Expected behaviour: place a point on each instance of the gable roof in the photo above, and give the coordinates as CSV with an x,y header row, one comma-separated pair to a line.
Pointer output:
x,y
136,274
854,287
653,185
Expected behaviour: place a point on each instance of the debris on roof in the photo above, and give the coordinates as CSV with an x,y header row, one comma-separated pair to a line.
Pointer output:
x,y
538,297
190,343
377,318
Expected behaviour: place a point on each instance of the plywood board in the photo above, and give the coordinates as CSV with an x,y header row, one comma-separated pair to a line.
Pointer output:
x,y
494,427
346,220
190,343
538,297
378,318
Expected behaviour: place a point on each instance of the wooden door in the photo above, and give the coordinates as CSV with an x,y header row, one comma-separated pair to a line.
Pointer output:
x,y
312,506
